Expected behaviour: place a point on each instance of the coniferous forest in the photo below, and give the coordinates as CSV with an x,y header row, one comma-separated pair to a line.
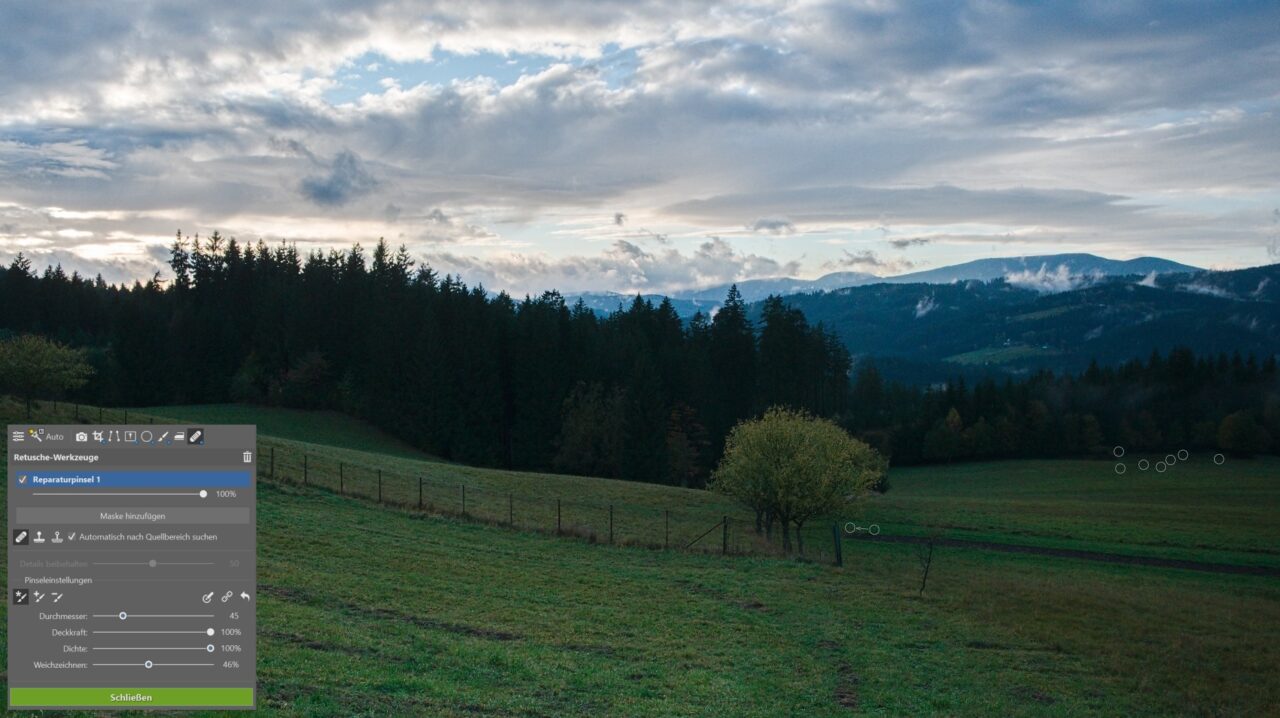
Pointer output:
x,y
537,384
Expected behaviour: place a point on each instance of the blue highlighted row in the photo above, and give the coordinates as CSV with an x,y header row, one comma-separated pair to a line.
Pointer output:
x,y
68,480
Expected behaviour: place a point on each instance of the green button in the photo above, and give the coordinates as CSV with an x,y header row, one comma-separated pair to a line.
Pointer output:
x,y
131,697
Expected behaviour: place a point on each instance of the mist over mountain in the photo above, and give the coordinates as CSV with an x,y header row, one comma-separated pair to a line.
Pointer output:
x,y
1082,265
1053,272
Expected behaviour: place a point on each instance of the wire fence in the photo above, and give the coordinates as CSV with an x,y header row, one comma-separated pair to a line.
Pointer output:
x,y
616,523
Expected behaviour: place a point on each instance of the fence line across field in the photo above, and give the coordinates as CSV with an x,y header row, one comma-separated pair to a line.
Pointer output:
x,y
619,522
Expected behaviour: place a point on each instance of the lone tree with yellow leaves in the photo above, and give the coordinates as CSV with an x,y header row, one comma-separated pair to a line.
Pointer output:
x,y
32,366
796,467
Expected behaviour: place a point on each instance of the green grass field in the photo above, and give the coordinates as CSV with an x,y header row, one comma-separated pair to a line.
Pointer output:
x,y
454,617
1197,510
317,427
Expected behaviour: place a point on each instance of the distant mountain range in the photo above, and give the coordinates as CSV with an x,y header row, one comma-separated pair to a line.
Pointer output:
x,y
1046,272
1015,315
1083,265
932,331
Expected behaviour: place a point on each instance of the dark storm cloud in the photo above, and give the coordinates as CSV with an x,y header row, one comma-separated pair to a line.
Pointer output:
x,y
346,180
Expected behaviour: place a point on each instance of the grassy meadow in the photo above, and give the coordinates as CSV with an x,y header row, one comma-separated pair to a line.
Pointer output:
x,y
370,610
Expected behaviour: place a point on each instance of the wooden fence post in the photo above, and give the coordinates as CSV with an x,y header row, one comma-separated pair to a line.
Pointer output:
x,y
304,469
511,510
342,478
610,523
419,493
273,463
464,499
77,411
666,529
557,516
835,536
99,415
724,539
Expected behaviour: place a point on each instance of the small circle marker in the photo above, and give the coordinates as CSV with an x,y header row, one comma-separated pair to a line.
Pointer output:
x,y
123,615
148,664
204,494
1118,452
1121,468
1219,459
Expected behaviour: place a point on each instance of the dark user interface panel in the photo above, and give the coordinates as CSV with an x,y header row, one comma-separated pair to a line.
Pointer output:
x,y
132,567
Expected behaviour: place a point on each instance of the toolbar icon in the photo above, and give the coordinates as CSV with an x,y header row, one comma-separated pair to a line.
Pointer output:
x,y
195,436
17,436
131,436
21,537
97,436
37,434
82,436
21,597
39,537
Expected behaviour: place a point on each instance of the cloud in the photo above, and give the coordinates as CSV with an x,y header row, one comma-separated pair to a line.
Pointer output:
x,y
772,225
346,180
936,205
619,219
625,266
1149,280
925,306
69,160
1066,127
868,261
1049,281
439,228
910,242
1206,289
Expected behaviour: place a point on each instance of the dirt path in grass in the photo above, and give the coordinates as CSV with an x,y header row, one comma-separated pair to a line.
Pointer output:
x,y
1085,555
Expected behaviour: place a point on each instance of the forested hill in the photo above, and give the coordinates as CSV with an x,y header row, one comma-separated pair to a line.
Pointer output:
x,y
640,394
1011,328
462,374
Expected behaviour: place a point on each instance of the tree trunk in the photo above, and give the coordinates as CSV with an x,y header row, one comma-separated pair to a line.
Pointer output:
x,y
759,522
786,537
800,537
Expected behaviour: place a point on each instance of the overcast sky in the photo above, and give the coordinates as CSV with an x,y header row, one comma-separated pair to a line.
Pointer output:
x,y
642,145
